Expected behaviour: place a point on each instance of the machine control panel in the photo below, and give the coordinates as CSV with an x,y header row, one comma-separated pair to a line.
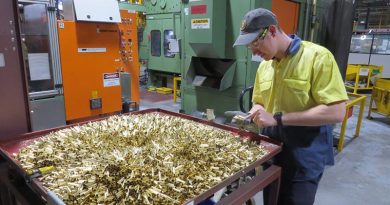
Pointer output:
x,y
128,33
95,103
128,52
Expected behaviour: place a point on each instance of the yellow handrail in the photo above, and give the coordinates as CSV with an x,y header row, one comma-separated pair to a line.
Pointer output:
x,y
358,99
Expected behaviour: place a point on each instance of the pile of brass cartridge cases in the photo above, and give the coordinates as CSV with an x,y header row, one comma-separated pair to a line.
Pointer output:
x,y
137,159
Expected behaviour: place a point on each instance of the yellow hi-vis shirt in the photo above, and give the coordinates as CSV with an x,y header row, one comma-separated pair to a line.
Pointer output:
x,y
299,82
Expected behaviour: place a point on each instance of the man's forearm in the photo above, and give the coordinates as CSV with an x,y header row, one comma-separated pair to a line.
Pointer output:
x,y
316,116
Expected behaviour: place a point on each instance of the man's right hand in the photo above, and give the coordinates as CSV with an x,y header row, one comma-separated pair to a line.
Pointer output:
x,y
254,109
261,117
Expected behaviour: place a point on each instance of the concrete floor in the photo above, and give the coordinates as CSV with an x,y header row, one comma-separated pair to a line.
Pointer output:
x,y
361,174
168,104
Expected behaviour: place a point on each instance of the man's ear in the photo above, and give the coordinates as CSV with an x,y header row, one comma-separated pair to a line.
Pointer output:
x,y
272,30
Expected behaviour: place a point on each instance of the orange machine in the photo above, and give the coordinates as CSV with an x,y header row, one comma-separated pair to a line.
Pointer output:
x,y
93,56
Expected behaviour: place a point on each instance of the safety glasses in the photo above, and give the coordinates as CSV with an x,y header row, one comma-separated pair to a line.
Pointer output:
x,y
259,38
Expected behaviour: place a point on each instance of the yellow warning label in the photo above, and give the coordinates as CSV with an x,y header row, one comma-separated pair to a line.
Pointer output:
x,y
200,23
200,20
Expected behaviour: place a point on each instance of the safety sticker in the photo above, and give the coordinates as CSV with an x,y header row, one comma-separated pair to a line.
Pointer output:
x,y
364,71
2,60
200,23
111,79
61,25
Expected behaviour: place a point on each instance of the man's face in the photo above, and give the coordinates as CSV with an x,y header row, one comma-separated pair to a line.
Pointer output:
x,y
262,45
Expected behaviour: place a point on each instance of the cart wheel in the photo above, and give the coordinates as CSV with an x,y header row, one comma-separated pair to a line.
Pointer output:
x,y
370,118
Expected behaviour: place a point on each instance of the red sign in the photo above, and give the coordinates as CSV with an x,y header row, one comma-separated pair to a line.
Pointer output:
x,y
199,9
110,75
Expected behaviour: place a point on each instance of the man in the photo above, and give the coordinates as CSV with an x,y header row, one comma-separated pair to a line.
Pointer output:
x,y
298,93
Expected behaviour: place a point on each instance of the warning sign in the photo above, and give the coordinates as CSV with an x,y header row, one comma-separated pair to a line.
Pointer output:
x,y
111,79
199,9
200,24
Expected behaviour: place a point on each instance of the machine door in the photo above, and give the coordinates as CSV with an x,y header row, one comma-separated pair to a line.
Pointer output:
x,y
14,119
36,46
39,47
155,55
170,32
162,31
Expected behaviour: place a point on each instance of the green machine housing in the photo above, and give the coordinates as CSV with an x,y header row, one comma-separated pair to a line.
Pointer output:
x,y
214,73
161,39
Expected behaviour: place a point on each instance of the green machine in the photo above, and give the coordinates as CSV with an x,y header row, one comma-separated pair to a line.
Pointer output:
x,y
194,38
161,39
214,73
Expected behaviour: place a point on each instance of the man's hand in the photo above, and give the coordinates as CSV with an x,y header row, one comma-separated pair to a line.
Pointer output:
x,y
262,118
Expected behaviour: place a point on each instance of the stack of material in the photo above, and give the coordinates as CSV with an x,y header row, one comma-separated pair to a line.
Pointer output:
x,y
164,90
138,159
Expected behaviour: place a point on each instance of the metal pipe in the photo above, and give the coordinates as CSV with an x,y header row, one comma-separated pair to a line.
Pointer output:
x,y
306,25
33,1
174,22
367,15
372,44
313,20
57,73
43,94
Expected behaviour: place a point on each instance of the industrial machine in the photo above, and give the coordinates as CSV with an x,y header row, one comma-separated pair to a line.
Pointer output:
x,y
193,39
76,62
214,71
39,42
99,57
162,35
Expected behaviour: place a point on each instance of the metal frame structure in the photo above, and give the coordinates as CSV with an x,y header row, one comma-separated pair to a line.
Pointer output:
x,y
45,93
175,86
361,72
380,95
53,41
357,99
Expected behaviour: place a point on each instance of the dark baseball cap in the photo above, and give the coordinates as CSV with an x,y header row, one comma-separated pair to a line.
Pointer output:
x,y
254,22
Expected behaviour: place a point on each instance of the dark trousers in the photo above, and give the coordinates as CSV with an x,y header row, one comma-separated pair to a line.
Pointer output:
x,y
298,192
295,192
305,152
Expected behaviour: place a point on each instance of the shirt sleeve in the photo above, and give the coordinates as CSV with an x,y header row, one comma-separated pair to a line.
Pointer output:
x,y
327,84
256,97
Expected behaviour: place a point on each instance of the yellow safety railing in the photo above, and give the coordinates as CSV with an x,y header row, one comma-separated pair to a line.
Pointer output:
x,y
175,81
357,73
357,99
136,1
